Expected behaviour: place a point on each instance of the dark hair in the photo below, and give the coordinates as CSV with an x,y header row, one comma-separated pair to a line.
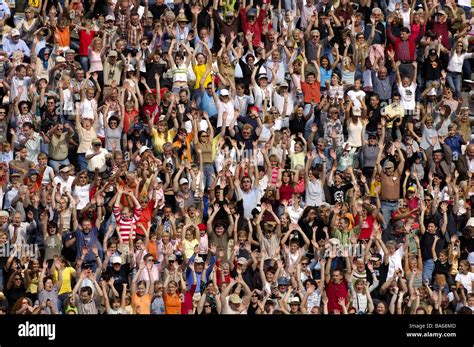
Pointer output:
x,y
47,278
28,125
87,290
405,30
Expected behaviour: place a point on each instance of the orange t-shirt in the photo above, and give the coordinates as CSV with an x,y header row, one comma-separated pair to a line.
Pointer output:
x,y
312,92
186,154
129,117
141,304
153,249
64,37
172,304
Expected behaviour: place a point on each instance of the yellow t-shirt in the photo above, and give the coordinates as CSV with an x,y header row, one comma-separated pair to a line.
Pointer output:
x,y
373,185
67,273
160,140
200,71
189,247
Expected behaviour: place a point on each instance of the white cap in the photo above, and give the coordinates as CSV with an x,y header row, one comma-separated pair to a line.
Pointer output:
x,y
356,111
294,299
432,92
183,181
143,149
15,32
116,260
224,92
109,17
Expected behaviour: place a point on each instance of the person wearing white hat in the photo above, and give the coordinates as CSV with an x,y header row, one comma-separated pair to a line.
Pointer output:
x,y
14,44
184,194
233,303
225,104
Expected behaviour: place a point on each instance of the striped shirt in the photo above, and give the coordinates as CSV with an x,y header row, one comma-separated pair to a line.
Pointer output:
x,y
126,224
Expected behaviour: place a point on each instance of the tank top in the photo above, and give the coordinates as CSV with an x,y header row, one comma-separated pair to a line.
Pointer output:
x,y
355,131
275,171
180,73
286,191
206,153
85,138
111,136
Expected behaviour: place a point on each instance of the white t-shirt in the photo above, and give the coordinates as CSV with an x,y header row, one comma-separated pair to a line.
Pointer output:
x,y
353,95
466,280
395,261
314,193
407,96
225,107
65,185
82,193
98,161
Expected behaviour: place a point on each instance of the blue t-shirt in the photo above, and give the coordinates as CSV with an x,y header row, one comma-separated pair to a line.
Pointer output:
x,y
208,105
455,143
87,240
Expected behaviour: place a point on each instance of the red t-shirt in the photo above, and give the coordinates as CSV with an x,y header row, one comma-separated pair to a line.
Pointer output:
x,y
129,118
154,110
85,39
312,92
145,217
367,226
334,292
286,192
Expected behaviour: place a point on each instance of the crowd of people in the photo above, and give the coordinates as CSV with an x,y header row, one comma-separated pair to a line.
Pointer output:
x,y
236,157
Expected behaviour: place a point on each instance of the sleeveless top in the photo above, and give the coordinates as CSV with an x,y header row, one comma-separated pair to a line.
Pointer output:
x,y
355,131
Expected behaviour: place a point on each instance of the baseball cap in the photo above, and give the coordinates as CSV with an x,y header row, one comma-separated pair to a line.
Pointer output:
x,y
202,227
183,181
60,59
224,92
143,149
254,108
149,14
357,112
411,189
15,32
198,260
116,260
242,261
432,51
252,12
112,53
284,84
138,126
376,257
235,299
432,92
96,141
262,75
32,172
64,168
294,300
171,257
70,51
283,281
109,17
388,165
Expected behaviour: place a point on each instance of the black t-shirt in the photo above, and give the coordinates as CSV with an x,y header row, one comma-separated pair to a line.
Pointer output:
x,y
426,242
374,119
120,277
297,125
338,194
69,253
